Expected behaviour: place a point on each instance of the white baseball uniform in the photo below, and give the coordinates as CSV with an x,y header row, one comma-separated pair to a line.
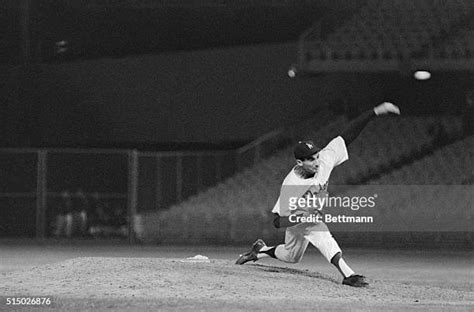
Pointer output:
x,y
298,236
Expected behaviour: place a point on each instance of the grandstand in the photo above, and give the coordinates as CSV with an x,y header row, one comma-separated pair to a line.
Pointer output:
x,y
449,165
239,208
459,45
174,95
144,145
386,35
431,196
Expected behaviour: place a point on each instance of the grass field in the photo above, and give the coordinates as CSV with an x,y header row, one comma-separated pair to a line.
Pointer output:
x,y
116,276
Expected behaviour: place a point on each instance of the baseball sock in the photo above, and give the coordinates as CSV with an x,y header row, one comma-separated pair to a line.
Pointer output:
x,y
341,265
266,252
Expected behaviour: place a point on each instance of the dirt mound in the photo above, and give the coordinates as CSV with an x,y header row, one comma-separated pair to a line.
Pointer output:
x,y
171,284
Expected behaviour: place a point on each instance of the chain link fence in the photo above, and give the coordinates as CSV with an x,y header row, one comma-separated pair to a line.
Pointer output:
x,y
94,192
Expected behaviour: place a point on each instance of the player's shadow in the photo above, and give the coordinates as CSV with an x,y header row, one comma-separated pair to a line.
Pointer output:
x,y
308,273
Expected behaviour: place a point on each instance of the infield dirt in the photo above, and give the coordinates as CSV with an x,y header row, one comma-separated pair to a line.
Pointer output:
x,y
139,284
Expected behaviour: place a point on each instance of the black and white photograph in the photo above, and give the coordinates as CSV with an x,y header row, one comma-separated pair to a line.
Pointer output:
x,y
245,155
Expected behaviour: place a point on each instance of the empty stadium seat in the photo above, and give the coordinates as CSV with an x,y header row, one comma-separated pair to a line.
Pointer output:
x,y
392,29
250,195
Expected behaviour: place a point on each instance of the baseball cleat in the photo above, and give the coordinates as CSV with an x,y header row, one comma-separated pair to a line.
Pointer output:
x,y
355,280
252,254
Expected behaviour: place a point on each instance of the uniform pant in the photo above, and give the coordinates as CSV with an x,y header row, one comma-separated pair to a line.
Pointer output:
x,y
297,238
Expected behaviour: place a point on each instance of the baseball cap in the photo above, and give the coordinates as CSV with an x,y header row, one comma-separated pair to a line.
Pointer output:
x,y
305,149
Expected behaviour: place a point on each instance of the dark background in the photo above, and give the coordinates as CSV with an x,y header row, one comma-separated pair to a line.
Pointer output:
x,y
166,75
97,29
171,75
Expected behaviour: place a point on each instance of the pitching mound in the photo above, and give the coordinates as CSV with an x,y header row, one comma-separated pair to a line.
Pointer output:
x,y
170,284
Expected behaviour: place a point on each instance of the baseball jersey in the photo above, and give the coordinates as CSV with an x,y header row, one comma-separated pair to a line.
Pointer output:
x,y
294,186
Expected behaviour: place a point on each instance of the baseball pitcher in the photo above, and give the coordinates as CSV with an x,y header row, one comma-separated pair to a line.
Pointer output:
x,y
309,178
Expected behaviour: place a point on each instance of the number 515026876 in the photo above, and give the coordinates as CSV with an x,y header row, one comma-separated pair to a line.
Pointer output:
x,y
28,301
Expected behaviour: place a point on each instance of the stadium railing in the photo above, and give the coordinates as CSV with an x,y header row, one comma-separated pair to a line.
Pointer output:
x,y
132,181
34,179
